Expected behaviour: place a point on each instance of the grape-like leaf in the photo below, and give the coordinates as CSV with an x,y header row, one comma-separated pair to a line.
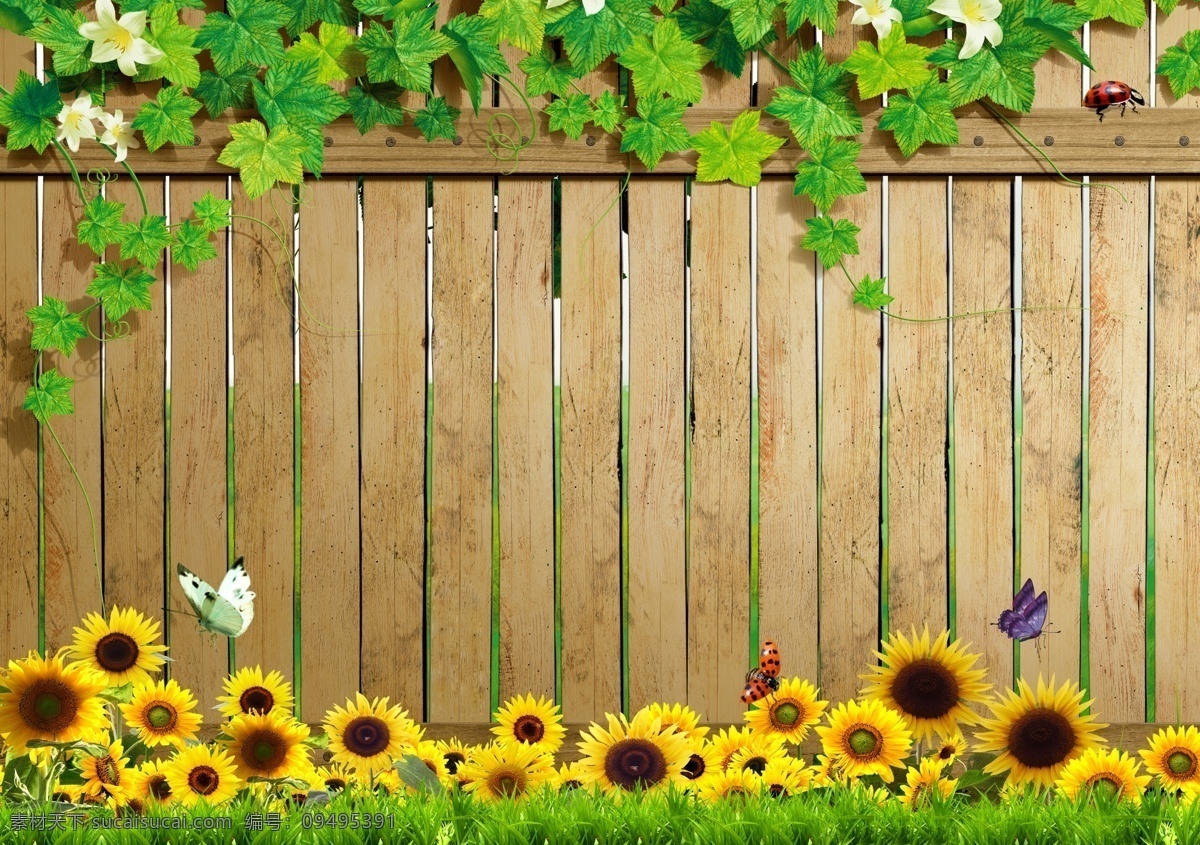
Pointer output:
x,y
895,63
1128,12
248,34
50,397
831,239
570,114
869,293
59,32
830,172
820,13
147,240
121,288
820,105
546,75
751,19
736,153
403,53
923,116
29,111
474,53
370,105
263,158
220,92
522,23
708,24
437,120
190,245
656,130
590,39
1180,64
212,212
666,63
177,43
167,119
102,225
333,49
607,112
55,326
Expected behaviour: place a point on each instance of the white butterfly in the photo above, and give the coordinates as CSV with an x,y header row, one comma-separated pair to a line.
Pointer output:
x,y
228,610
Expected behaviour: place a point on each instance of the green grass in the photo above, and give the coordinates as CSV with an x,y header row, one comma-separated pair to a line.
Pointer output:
x,y
820,817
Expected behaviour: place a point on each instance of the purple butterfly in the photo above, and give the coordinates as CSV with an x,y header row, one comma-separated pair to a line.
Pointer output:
x,y
1028,614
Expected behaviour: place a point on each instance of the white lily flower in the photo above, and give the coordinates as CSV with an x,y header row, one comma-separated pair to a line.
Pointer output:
x,y
119,39
980,18
590,7
880,14
75,121
118,133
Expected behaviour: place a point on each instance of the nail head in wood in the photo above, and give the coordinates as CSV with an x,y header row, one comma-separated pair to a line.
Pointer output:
x,y
1119,140
328,141
978,141
591,140
524,139
458,140
1184,140
1048,140
391,142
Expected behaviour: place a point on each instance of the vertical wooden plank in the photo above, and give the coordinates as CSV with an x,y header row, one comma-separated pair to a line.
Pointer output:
x,y
983,431
72,579
657,428
1120,326
264,425
198,500
330,605
719,540
918,355
393,440
590,439
1176,427
787,403
525,338
1052,394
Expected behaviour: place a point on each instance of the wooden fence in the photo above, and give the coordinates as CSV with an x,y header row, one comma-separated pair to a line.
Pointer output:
x,y
532,433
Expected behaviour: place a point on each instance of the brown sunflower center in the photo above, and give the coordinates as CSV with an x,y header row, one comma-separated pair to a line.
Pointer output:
x,y
1182,763
48,706
785,714
335,784
946,752
529,729
634,762
755,764
116,652
1105,784
256,700
158,787
568,785
264,751
1041,738
506,782
778,790
136,807
694,768
366,736
864,743
161,717
204,780
107,772
926,689
453,759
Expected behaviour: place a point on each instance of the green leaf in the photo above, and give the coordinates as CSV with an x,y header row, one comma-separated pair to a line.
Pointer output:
x,y
607,112
190,245
263,158
1167,6
177,42
869,293
522,23
666,63
1059,22
334,51
248,34
291,94
893,64
388,9
147,5
1180,64
304,14
820,13
708,24
570,114
829,172
417,775
102,225
546,75
831,239
751,19
656,131
736,153
1128,12
59,32
212,212
55,326
474,53
820,105
50,397
222,92
29,112
167,119
590,39
923,116
437,120
121,288
404,53
147,240
19,16
370,105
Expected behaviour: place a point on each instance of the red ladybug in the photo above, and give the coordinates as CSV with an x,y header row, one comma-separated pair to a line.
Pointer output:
x,y
1104,94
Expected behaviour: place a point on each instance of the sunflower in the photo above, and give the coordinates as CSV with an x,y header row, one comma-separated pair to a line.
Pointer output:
x,y
866,738
122,647
829,771
148,782
923,782
44,699
201,773
335,778
701,767
732,784
1036,734
454,754
726,743
162,713
631,755
388,782
270,745
931,685
1174,755
788,713
756,756
248,690
508,770
682,718
537,723
369,735
949,750
786,776
106,776
566,778
429,754
1108,775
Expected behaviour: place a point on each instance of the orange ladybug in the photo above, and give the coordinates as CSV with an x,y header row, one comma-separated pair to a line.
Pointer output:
x,y
1111,93
764,680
